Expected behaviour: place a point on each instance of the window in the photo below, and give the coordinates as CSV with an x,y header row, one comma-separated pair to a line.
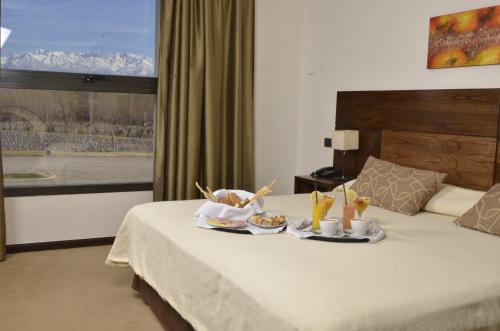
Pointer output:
x,y
66,137
111,37
77,95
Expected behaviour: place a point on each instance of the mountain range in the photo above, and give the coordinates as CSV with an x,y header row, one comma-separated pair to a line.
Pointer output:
x,y
118,63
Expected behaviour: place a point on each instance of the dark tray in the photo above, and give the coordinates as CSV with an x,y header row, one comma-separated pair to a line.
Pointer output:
x,y
320,238
232,230
340,240
240,231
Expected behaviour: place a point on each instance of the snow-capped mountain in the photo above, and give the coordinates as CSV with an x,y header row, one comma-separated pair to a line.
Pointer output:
x,y
119,63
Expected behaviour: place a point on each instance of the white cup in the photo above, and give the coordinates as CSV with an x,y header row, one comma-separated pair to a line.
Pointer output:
x,y
360,226
330,227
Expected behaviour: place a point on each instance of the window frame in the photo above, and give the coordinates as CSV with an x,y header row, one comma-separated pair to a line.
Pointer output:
x,y
68,81
84,82
29,191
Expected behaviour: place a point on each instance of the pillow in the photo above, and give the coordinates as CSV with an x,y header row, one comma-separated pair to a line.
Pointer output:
x,y
394,187
348,185
453,200
485,214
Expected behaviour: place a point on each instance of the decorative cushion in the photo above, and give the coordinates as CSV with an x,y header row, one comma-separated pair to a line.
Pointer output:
x,y
485,214
394,187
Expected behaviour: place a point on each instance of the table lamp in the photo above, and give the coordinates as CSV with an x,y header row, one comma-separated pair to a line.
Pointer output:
x,y
4,34
345,140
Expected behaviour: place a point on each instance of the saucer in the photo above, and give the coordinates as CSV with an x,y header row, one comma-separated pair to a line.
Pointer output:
x,y
319,233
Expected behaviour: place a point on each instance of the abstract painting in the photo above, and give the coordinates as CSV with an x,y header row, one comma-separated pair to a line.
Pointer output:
x,y
469,38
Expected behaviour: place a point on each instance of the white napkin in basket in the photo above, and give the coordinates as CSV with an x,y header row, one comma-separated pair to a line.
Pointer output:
x,y
220,210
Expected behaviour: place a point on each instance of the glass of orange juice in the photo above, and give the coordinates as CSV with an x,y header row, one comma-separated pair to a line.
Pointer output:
x,y
318,214
321,204
361,203
328,200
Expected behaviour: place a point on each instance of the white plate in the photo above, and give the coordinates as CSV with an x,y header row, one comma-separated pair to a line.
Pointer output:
x,y
267,226
234,225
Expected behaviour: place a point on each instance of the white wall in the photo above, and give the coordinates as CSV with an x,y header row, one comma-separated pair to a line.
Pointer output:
x,y
277,90
67,217
370,45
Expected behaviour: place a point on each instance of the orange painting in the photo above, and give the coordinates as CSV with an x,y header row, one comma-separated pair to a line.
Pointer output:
x,y
469,38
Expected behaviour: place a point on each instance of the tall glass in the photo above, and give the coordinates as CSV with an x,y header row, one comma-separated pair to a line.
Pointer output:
x,y
318,214
348,215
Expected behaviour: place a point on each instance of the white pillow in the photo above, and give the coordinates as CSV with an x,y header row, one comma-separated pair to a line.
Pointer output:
x,y
348,185
453,200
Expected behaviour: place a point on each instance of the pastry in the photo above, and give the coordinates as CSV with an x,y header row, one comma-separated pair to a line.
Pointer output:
x,y
257,219
268,221
242,203
233,198
223,200
278,220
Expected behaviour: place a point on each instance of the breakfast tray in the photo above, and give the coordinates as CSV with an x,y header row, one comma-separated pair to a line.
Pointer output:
x,y
301,228
201,222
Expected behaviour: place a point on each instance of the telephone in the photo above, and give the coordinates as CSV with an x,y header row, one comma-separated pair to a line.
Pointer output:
x,y
326,172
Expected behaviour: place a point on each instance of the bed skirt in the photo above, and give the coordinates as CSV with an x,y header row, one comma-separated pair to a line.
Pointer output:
x,y
169,318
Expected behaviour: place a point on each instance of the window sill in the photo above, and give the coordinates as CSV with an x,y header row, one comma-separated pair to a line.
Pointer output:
x,y
26,191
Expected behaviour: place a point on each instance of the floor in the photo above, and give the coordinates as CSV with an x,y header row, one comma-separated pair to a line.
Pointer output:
x,y
70,289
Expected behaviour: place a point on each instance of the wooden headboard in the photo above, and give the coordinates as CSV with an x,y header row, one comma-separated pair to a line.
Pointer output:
x,y
452,131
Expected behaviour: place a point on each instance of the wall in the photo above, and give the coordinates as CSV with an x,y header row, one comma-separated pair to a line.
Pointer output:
x,y
370,45
66,217
277,90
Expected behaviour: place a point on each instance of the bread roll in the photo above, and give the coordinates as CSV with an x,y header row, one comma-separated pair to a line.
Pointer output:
x,y
233,198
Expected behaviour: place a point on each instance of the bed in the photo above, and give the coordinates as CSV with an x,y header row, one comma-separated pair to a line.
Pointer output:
x,y
427,274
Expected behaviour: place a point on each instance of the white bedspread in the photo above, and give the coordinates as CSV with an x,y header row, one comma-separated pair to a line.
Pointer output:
x,y
428,274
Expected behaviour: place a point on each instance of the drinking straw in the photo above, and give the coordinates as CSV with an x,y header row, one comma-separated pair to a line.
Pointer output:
x,y
316,192
345,195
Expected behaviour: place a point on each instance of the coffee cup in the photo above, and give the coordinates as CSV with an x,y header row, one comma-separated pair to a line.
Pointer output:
x,y
360,226
331,227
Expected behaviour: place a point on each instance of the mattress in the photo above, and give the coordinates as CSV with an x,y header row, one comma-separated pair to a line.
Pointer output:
x,y
427,274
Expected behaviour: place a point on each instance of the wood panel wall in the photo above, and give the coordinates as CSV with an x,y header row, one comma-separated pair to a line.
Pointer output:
x,y
453,131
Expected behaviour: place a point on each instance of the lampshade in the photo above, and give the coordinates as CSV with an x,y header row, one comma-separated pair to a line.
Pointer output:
x,y
4,34
345,140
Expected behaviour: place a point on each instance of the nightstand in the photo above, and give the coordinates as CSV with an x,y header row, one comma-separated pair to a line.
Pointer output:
x,y
305,184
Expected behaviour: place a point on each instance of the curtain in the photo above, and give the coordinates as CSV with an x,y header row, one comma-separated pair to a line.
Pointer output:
x,y
3,241
204,121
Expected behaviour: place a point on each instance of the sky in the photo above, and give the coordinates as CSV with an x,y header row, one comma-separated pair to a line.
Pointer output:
x,y
101,26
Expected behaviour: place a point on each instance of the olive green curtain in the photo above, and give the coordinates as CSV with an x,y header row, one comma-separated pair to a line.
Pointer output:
x,y
204,120
3,240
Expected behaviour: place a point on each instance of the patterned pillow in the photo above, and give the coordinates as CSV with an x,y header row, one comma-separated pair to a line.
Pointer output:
x,y
397,188
485,214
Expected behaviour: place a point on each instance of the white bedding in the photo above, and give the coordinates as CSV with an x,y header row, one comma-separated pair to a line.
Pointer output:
x,y
428,274
453,200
